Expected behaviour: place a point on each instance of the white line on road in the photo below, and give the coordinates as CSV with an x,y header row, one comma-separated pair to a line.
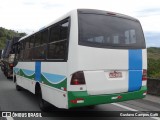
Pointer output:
x,y
125,107
131,109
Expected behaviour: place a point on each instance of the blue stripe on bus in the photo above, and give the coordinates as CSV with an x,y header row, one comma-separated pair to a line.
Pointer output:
x,y
135,70
16,70
135,59
38,71
54,78
28,72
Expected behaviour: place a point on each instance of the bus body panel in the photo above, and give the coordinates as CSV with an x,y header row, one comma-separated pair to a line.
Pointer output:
x,y
97,63
53,82
25,72
144,58
144,64
89,100
54,96
98,82
90,58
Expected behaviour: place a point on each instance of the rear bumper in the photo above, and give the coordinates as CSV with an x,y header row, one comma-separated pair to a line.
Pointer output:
x,y
87,100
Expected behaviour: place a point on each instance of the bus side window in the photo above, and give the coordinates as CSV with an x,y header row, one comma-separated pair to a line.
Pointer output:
x,y
37,39
26,50
58,41
31,42
40,48
64,30
21,51
54,33
44,37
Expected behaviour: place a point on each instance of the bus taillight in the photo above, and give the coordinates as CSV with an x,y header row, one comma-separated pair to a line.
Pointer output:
x,y
78,78
144,76
77,100
11,65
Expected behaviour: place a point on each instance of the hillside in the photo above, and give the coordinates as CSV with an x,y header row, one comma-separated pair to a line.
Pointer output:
x,y
153,62
153,53
6,34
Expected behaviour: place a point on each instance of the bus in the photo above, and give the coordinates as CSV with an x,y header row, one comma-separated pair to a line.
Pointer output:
x,y
8,57
85,58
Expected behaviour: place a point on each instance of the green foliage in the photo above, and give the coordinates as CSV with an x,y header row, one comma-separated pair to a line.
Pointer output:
x,y
153,52
153,62
8,35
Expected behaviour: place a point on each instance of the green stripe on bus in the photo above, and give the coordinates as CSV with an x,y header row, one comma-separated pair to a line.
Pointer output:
x,y
102,99
60,85
26,76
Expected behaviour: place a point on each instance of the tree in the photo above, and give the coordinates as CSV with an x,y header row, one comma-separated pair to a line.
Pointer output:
x,y
8,35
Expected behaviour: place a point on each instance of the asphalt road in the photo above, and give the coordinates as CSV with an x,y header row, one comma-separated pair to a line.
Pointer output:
x,y
12,100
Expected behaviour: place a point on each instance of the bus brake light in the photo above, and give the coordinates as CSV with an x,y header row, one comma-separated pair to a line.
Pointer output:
x,y
11,65
144,76
78,78
77,100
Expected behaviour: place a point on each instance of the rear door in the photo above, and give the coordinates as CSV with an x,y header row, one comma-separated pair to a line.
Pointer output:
x,y
106,82
116,76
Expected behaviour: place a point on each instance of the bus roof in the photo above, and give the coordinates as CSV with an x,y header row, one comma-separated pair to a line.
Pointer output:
x,y
102,12
92,11
59,19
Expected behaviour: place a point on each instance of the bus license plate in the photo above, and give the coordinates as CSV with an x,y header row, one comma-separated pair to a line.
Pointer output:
x,y
115,74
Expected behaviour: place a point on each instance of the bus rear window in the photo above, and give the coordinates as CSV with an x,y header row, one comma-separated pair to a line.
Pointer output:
x,y
104,31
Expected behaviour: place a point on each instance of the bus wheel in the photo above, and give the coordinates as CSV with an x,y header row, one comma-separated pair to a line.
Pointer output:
x,y
43,105
7,75
18,88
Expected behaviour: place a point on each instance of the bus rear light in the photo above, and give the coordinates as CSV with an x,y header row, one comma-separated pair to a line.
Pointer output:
x,y
64,89
11,65
77,100
145,93
144,76
119,97
78,78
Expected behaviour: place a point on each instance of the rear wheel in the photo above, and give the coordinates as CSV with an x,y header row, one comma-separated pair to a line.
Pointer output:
x,y
44,106
7,75
18,88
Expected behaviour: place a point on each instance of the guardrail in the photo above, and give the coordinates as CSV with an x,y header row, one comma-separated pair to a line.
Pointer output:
x,y
153,86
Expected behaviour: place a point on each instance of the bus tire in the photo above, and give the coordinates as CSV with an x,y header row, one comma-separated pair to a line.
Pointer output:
x,y
7,75
18,88
43,105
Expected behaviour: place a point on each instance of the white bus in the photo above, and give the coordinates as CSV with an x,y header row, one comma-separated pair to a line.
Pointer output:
x,y
85,58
